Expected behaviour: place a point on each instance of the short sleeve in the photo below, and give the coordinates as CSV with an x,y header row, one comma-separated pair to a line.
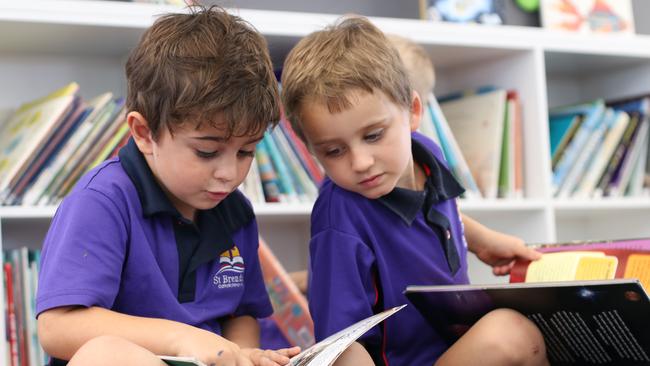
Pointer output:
x,y
341,285
83,253
255,301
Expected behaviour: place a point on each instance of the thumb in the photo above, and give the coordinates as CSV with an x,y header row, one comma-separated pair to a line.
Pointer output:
x,y
528,254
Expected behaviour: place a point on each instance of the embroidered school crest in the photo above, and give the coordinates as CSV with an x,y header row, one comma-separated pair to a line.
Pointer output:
x,y
231,269
231,261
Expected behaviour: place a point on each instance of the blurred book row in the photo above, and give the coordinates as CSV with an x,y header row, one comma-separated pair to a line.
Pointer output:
x,y
47,144
600,149
20,278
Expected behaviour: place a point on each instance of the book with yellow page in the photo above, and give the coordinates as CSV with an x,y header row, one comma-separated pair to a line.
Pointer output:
x,y
588,260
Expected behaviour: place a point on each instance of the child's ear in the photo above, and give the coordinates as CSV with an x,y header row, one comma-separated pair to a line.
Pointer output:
x,y
139,127
416,111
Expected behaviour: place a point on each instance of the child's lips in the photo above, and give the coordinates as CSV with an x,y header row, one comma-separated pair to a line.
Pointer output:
x,y
372,181
217,196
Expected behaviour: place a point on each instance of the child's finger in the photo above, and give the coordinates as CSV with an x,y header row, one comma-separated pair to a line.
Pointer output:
x,y
276,357
289,352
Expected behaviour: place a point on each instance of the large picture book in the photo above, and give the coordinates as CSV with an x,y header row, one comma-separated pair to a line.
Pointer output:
x,y
587,260
583,322
323,353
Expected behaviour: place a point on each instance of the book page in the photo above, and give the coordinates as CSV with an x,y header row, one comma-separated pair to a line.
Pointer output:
x,y
638,266
597,268
557,266
329,349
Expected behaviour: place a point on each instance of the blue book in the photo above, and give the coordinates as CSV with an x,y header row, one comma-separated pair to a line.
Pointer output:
x,y
593,116
284,176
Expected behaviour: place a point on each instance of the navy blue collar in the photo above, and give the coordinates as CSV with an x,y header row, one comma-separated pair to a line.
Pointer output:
x,y
440,185
233,212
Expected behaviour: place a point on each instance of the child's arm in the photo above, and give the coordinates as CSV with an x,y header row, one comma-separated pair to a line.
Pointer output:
x,y
355,355
495,248
62,331
245,332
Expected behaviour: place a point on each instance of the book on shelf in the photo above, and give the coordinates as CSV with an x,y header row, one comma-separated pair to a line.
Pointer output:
x,y
587,260
638,147
617,158
322,353
21,267
585,156
26,131
477,123
268,175
592,113
290,308
311,164
583,322
517,136
562,129
450,148
56,162
615,126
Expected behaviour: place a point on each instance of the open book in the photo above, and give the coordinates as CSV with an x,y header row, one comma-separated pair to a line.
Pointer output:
x,y
322,353
587,260
583,322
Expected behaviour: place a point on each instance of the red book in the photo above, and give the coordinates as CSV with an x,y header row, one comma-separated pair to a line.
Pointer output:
x,y
12,331
311,165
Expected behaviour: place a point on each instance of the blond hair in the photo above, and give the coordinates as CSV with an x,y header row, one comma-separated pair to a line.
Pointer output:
x,y
417,63
192,67
325,66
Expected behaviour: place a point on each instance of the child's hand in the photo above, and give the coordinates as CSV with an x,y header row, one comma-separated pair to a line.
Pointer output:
x,y
210,348
268,357
500,251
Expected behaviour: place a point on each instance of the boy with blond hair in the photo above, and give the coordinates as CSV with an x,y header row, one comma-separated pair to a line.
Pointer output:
x,y
155,252
387,216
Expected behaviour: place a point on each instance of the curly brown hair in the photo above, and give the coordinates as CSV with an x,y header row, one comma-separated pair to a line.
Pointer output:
x,y
191,67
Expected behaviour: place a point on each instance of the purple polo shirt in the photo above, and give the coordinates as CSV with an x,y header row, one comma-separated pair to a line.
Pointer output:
x,y
114,243
365,252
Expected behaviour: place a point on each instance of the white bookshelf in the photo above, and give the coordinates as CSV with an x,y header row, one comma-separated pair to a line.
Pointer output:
x,y
46,44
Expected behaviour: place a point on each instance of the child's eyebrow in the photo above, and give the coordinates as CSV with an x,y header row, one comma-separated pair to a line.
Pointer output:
x,y
223,139
210,138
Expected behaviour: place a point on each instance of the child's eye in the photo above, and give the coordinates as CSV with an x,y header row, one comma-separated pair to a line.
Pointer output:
x,y
374,136
333,152
247,153
206,154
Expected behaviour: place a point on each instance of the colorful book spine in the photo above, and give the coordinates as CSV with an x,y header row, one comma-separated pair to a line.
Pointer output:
x,y
283,174
268,176
594,115
311,165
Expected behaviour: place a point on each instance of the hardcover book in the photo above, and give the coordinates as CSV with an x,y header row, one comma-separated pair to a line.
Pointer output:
x,y
583,322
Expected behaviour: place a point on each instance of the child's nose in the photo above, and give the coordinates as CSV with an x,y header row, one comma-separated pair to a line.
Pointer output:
x,y
226,169
362,160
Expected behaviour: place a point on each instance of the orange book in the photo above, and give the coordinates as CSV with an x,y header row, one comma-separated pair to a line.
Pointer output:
x,y
290,309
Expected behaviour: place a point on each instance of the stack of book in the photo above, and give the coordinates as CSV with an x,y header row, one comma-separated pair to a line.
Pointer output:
x,y
600,149
48,143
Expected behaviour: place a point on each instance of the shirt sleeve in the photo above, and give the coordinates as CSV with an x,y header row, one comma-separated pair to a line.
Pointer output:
x,y
341,285
255,301
83,253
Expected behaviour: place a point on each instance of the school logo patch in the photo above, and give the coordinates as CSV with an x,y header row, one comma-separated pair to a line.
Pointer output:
x,y
231,269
